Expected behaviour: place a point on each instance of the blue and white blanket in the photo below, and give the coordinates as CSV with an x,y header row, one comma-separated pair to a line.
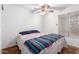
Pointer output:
x,y
36,45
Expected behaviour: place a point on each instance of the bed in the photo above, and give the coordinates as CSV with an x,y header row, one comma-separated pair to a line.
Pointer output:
x,y
54,48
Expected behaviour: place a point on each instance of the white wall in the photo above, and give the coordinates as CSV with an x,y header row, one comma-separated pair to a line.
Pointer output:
x,y
14,20
50,23
37,21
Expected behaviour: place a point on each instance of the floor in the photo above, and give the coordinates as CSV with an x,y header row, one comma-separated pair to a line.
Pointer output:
x,y
11,50
70,50
15,50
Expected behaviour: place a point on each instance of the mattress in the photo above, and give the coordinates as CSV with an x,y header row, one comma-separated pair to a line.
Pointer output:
x,y
52,49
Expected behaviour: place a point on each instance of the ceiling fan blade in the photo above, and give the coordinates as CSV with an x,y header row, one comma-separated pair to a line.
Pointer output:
x,y
58,8
50,11
36,9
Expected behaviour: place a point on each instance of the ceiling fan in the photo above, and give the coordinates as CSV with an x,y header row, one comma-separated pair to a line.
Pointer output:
x,y
44,9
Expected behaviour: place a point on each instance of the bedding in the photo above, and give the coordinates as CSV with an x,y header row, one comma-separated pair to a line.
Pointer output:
x,y
51,48
38,44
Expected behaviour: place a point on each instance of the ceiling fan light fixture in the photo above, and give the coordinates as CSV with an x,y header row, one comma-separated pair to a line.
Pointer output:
x,y
45,9
42,13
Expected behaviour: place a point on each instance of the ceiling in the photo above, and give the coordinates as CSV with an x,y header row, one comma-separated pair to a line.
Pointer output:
x,y
31,6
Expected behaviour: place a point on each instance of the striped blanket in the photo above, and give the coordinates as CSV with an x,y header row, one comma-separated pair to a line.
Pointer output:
x,y
36,45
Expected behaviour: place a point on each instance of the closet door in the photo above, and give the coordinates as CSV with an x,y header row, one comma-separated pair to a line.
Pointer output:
x,y
74,24
63,24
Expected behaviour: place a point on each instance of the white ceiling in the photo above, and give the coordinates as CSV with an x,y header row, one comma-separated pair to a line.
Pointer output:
x,y
32,6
